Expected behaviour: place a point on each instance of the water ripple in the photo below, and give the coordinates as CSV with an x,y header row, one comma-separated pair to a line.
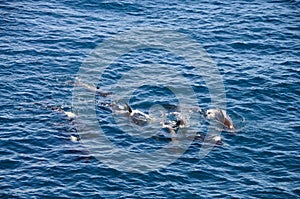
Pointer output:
x,y
255,46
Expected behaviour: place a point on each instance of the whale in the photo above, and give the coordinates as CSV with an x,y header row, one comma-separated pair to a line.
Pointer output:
x,y
173,127
70,115
91,88
138,117
221,117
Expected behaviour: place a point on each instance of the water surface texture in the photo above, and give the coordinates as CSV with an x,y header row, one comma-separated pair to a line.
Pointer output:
x,y
255,45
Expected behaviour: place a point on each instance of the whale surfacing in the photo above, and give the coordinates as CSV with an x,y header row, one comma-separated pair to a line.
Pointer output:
x,y
137,116
221,117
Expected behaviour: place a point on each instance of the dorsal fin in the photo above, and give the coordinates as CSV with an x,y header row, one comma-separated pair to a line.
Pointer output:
x,y
178,123
223,115
128,108
228,124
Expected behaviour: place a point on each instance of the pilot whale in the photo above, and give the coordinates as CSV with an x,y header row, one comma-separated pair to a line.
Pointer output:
x,y
91,88
221,117
70,115
137,116
172,128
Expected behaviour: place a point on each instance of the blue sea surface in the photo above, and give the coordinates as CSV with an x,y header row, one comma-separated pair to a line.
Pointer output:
x,y
255,46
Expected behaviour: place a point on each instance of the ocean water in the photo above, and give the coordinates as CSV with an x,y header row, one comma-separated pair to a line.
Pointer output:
x,y
255,46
